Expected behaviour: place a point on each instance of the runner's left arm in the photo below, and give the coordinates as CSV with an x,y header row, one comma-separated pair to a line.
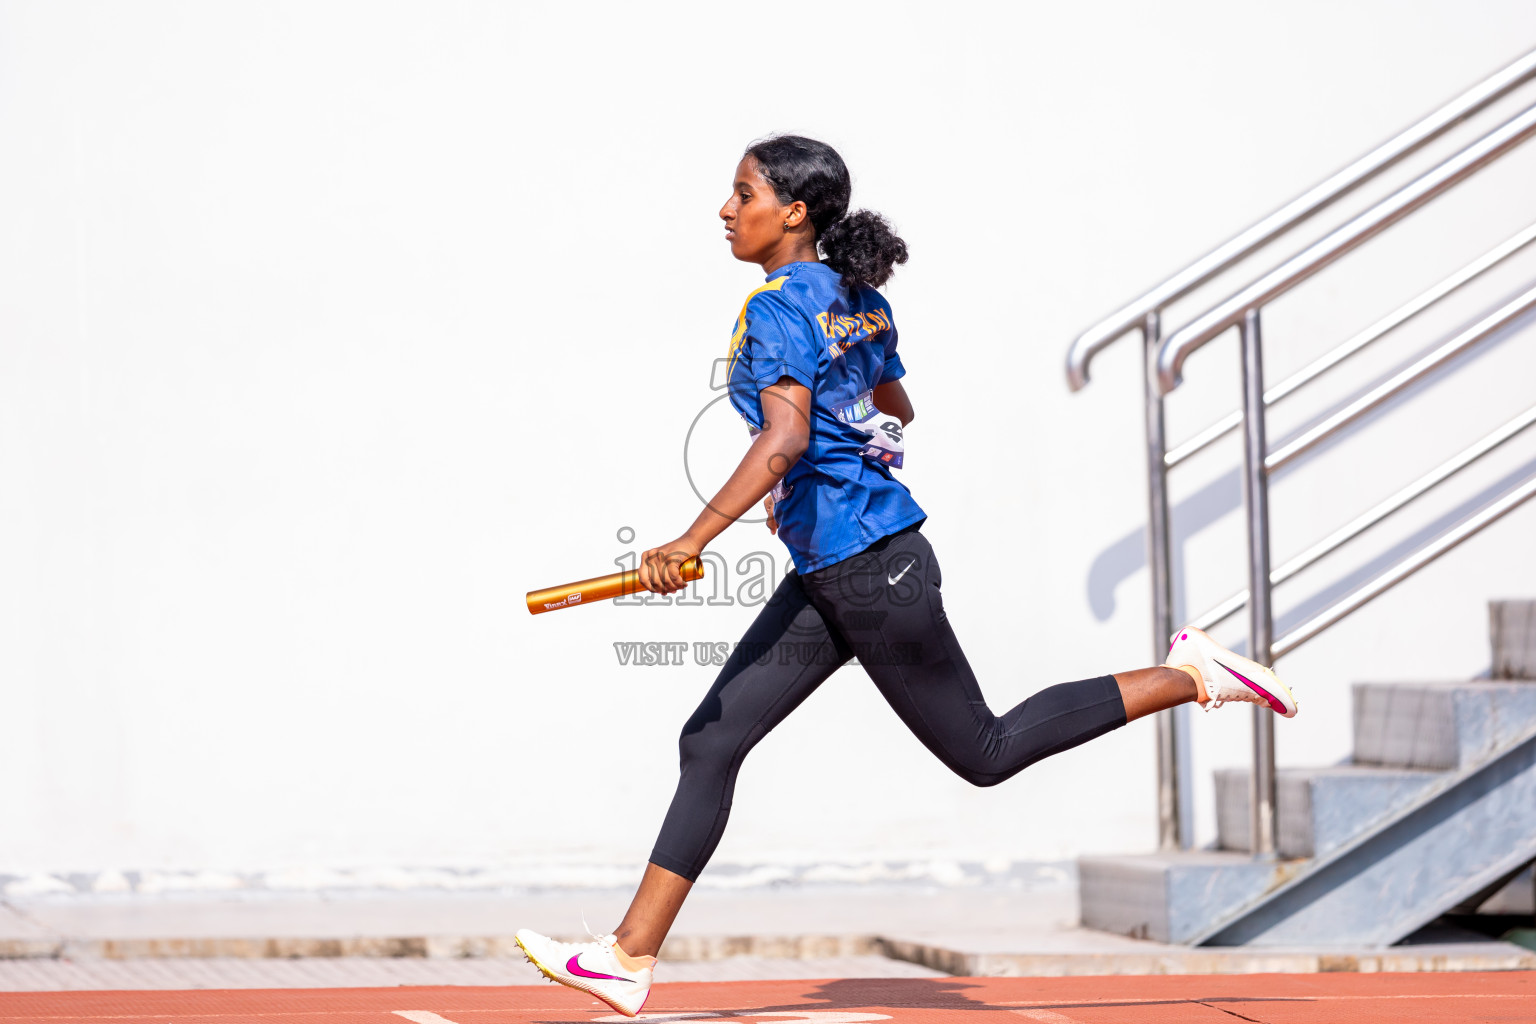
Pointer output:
x,y
785,436
891,397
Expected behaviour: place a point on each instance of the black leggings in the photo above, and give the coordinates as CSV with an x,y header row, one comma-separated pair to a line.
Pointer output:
x,y
882,605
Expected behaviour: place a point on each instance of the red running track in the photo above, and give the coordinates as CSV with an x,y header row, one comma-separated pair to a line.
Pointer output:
x,y
1224,999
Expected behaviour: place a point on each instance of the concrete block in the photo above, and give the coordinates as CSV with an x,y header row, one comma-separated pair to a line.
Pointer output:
x,y
1512,629
1170,897
1439,726
1321,809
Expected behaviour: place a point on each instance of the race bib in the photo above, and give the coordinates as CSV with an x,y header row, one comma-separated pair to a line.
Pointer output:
x,y
884,444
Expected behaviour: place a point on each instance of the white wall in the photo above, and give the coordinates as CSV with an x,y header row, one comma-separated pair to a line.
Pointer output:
x,y
327,330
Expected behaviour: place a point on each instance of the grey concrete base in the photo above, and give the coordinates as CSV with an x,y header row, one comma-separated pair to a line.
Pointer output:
x,y
1171,897
1321,809
1169,959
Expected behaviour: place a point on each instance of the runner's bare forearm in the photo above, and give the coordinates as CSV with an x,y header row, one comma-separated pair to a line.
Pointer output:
x,y
774,450
784,438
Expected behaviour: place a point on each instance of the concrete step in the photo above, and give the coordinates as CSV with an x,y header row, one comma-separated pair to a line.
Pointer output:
x,y
1467,832
1321,809
1439,726
1439,806
1171,897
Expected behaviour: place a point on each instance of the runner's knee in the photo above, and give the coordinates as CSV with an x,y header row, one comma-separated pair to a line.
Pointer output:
x,y
707,745
977,777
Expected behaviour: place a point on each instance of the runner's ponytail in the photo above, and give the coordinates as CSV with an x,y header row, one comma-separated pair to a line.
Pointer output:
x,y
861,246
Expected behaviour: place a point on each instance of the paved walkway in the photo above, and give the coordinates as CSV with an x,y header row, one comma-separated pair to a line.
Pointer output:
x,y
1266,999
38,975
465,938
796,921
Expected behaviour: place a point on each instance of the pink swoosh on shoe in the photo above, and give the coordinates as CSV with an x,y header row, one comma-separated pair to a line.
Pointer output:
x,y
574,966
1275,705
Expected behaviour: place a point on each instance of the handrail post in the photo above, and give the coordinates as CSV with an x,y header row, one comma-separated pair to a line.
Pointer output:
x,y
1262,809
1170,810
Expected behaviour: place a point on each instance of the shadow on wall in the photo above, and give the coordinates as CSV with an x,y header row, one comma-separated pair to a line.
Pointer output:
x,y
1363,574
1128,555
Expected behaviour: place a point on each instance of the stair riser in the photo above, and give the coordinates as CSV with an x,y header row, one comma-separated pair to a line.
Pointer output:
x,y
1167,899
1438,726
1320,809
1512,627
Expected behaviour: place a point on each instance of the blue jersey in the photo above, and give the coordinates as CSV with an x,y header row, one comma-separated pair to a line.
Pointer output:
x,y
840,497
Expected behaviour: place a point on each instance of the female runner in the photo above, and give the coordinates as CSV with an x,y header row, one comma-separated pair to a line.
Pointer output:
x,y
813,370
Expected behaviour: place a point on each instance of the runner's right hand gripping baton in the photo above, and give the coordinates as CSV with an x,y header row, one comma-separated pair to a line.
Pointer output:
x,y
601,588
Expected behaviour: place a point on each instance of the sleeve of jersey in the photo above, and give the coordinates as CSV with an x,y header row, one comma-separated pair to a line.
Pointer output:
x,y
779,342
893,369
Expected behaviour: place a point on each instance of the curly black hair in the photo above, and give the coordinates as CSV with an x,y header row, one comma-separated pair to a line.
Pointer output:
x,y
861,246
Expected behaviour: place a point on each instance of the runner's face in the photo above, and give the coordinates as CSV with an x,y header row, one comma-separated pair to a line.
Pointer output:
x,y
754,218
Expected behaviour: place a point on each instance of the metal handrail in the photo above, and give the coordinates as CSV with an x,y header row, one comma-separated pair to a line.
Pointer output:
x,y
1403,379
1263,807
1146,314
1380,329
1181,343
1355,527
1298,210
1483,517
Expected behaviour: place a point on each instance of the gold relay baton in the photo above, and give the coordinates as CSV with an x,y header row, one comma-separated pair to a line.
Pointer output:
x,y
601,588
